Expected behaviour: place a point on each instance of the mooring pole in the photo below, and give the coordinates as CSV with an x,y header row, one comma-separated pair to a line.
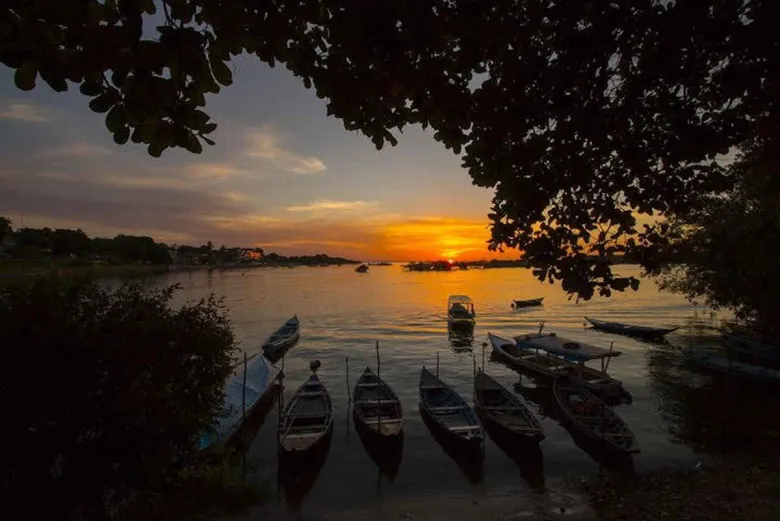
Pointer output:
x,y
437,364
378,393
243,391
609,357
474,374
349,395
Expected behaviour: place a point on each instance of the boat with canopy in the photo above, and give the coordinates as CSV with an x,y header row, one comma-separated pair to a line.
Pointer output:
x,y
460,310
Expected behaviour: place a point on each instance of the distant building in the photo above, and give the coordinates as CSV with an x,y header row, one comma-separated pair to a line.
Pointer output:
x,y
250,255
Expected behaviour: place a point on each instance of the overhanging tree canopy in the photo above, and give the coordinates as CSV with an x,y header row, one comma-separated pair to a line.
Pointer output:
x,y
579,114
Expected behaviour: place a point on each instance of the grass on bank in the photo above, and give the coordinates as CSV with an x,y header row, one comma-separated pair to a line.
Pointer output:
x,y
214,486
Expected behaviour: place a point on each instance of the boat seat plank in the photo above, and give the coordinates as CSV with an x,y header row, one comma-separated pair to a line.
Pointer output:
x,y
464,428
388,401
367,385
320,414
431,387
305,435
448,408
384,420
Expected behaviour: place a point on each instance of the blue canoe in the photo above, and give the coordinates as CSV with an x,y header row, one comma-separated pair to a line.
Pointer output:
x,y
260,374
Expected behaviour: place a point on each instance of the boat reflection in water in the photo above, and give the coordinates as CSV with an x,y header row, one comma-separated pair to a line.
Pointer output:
x,y
461,337
298,472
527,456
469,458
386,453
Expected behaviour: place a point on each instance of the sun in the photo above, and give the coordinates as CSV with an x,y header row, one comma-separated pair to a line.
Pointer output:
x,y
451,260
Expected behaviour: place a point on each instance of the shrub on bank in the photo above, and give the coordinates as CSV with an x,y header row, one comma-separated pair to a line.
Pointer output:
x,y
104,392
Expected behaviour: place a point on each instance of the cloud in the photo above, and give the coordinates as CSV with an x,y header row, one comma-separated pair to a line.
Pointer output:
x,y
20,111
327,204
265,143
78,149
215,171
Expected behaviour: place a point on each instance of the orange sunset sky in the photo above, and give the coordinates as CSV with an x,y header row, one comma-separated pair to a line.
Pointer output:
x,y
282,176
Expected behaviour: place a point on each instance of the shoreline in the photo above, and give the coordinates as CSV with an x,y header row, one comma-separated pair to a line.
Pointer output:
x,y
12,269
734,487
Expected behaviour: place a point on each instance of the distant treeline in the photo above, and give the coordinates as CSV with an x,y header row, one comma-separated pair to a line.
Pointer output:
x,y
442,265
74,246
43,243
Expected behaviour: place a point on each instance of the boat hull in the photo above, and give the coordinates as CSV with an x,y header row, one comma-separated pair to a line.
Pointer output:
x,y
643,332
497,429
528,303
453,439
550,367
277,345
722,365
752,349
307,420
605,444
376,407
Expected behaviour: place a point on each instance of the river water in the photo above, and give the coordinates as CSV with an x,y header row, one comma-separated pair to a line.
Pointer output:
x,y
343,314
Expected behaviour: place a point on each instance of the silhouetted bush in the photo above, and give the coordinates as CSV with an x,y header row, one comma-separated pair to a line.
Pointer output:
x,y
104,392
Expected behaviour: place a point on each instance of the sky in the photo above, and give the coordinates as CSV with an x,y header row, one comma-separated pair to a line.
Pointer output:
x,y
282,176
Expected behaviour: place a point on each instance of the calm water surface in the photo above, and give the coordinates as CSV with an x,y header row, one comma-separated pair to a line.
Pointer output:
x,y
344,313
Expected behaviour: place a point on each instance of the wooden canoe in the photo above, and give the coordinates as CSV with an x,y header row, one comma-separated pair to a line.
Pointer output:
x,y
549,366
243,392
591,418
447,411
646,332
308,418
282,339
503,413
527,303
376,406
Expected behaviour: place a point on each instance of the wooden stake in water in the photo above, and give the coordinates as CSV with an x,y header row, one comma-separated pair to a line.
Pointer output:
x,y
605,366
474,375
437,364
243,391
349,395
541,326
484,345
378,393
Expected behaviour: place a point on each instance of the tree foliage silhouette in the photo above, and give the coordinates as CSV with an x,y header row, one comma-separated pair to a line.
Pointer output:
x,y
580,114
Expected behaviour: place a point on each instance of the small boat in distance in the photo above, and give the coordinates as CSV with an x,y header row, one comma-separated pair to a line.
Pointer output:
x,y
363,268
590,417
645,332
377,408
503,413
448,412
307,420
527,303
460,311
282,339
